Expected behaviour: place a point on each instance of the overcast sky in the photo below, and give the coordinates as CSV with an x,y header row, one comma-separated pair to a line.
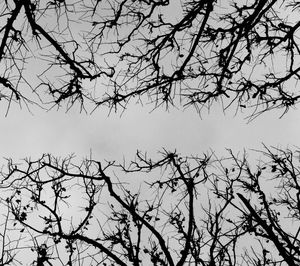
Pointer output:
x,y
114,136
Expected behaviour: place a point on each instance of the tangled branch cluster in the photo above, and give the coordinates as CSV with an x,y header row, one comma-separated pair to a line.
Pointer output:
x,y
182,210
182,53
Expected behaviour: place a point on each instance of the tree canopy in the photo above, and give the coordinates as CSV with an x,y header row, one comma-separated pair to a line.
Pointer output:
x,y
184,53
186,211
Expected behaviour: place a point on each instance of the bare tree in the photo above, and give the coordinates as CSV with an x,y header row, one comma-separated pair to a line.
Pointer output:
x,y
174,210
184,53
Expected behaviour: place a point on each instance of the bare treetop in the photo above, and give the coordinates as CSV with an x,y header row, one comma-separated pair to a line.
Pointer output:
x,y
184,53
181,210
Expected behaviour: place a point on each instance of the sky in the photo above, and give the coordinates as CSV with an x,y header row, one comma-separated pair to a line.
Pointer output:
x,y
117,136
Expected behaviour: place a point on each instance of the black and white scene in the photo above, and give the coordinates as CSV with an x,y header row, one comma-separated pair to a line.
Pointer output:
x,y
149,132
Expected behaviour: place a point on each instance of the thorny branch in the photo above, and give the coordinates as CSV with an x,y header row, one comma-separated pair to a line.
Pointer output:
x,y
184,210
184,53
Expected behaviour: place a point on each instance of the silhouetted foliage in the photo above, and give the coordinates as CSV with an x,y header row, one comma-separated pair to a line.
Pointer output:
x,y
182,53
174,210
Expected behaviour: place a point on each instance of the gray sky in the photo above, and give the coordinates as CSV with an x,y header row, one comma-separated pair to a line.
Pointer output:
x,y
112,137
